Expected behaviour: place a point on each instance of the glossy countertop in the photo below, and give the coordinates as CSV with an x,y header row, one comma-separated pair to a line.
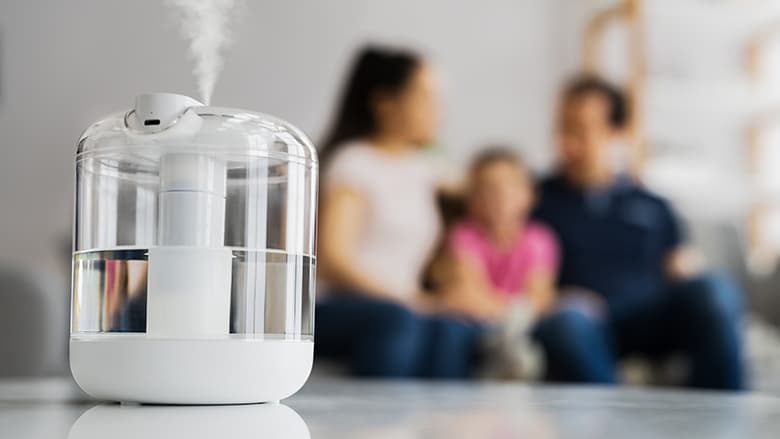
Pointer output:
x,y
342,408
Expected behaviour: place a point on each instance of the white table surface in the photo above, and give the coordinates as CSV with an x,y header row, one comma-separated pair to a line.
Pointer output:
x,y
340,408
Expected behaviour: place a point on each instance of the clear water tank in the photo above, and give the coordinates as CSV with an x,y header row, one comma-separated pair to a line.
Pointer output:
x,y
194,255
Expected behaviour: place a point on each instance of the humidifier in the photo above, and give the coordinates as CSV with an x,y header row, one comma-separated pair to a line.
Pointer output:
x,y
194,255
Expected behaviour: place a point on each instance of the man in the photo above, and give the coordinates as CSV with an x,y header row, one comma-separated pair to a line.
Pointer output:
x,y
627,281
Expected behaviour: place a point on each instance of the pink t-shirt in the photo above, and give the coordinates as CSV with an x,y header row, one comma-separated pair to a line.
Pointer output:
x,y
536,248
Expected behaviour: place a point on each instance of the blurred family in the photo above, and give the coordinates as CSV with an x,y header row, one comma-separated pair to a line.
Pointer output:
x,y
597,263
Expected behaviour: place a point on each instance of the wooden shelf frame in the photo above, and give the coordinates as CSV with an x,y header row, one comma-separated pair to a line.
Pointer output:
x,y
630,13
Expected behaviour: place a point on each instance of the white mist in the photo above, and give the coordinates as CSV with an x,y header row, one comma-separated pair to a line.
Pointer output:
x,y
204,23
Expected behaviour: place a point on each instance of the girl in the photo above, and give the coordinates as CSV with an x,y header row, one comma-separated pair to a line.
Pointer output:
x,y
503,266
500,256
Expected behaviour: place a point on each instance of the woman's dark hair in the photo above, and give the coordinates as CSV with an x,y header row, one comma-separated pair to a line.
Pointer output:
x,y
618,103
375,70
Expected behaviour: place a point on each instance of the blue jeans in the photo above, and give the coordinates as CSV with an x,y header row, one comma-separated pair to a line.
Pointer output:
x,y
699,318
384,339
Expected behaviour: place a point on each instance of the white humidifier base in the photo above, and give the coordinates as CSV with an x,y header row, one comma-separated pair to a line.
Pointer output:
x,y
236,370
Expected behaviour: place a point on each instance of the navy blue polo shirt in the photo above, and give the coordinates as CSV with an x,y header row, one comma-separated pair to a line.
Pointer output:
x,y
613,241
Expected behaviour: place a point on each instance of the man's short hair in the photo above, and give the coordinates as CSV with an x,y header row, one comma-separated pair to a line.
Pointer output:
x,y
618,103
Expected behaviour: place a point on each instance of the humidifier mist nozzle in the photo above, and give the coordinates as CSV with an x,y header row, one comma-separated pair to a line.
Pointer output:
x,y
154,112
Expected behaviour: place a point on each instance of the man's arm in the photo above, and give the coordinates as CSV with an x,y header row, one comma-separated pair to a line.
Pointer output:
x,y
682,260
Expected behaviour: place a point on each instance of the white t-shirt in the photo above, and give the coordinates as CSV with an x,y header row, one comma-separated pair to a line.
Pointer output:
x,y
402,224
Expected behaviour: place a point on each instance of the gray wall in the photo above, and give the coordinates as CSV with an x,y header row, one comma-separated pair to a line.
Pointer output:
x,y
65,64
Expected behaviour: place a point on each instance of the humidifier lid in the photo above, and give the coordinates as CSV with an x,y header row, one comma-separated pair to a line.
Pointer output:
x,y
170,121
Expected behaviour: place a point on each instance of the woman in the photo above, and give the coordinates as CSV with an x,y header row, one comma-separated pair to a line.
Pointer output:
x,y
379,227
